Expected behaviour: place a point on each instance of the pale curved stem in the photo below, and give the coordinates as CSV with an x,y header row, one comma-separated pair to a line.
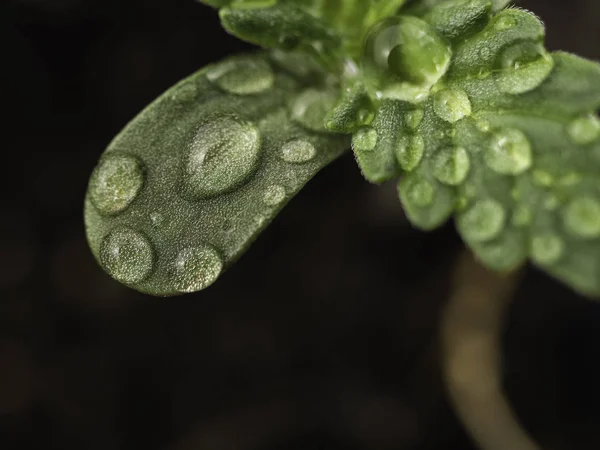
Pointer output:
x,y
471,325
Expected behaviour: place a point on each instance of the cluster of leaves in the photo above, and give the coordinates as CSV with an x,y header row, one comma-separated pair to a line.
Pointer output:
x,y
456,99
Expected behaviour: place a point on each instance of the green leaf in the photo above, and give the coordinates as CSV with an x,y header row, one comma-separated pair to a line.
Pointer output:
x,y
190,183
504,135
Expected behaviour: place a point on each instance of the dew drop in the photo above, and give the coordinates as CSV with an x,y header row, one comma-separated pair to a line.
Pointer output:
x,y
409,152
404,56
505,22
451,105
242,76
546,248
414,118
196,268
420,193
508,152
222,155
116,182
451,165
483,221
298,152
584,130
522,67
364,139
274,195
127,255
311,107
582,217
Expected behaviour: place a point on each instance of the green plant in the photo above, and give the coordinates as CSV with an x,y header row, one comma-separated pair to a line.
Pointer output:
x,y
457,99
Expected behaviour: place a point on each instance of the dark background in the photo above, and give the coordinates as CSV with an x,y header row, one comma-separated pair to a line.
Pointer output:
x,y
324,336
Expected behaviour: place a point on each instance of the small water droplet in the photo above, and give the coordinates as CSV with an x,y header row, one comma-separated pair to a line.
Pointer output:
x,y
414,118
242,76
451,165
546,248
274,195
505,22
298,151
196,268
403,57
364,139
222,156
522,216
509,152
127,255
522,67
311,107
582,217
420,193
409,151
542,178
451,105
157,219
116,182
483,221
584,130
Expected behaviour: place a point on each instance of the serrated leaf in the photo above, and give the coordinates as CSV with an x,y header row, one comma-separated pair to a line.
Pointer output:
x,y
191,182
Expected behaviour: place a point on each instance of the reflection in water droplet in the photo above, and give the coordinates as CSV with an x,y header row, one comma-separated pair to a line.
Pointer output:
x,y
420,193
451,105
364,139
584,130
451,165
242,75
409,151
414,118
127,255
546,248
196,268
508,152
274,195
310,108
222,155
582,217
522,67
298,151
482,222
403,57
116,182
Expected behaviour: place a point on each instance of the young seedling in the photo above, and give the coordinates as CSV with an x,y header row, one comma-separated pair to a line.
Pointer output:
x,y
456,99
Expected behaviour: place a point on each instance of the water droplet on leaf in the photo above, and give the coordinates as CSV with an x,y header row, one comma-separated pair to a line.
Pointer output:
x,y
420,193
505,22
242,76
522,67
196,268
451,105
222,155
127,255
414,118
364,139
483,221
582,217
546,248
509,152
451,165
116,182
584,130
409,151
298,151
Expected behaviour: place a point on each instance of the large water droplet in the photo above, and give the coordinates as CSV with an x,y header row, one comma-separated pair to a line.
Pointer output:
x,y
116,182
403,57
196,268
483,221
509,152
420,193
298,151
522,67
310,108
451,165
242,75
127,255
584,130
364,139
274,195
223,154
546,248
409,151
451,105
582,217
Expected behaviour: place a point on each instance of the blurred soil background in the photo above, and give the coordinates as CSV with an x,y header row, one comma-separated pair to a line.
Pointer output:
x,y
325,335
